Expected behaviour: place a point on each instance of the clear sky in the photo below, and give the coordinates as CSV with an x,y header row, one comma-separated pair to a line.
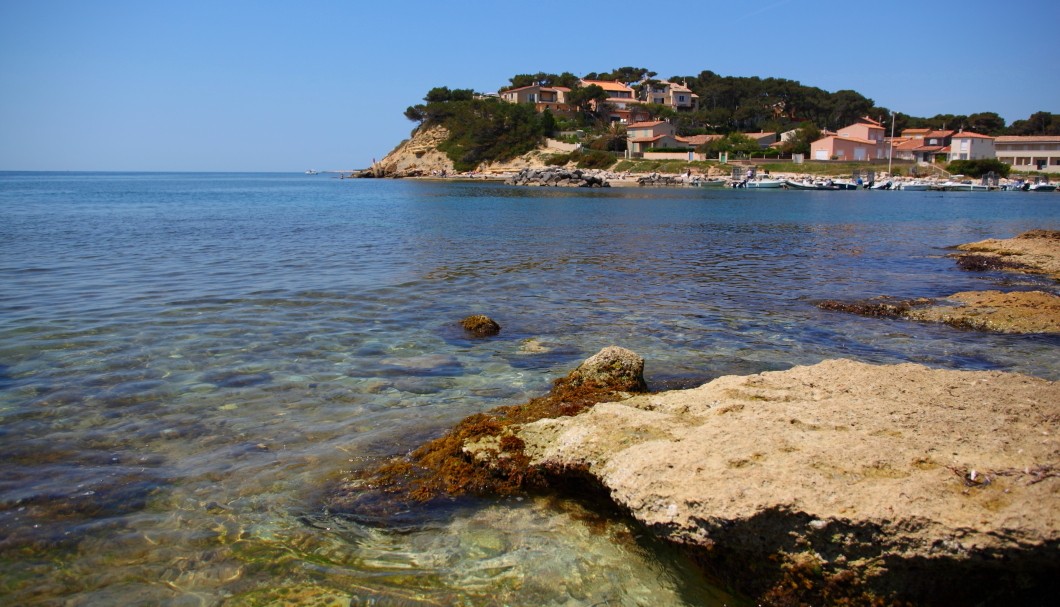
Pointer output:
x,y
233,85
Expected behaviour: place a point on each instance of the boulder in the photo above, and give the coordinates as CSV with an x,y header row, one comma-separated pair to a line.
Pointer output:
x,y
557,177
480,325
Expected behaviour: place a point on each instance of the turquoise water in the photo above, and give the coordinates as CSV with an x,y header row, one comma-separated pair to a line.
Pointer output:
x,y
187,361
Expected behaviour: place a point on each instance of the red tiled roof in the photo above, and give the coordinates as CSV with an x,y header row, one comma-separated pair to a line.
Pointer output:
x,y
1027,139
607,85
699,139
644,125
967,134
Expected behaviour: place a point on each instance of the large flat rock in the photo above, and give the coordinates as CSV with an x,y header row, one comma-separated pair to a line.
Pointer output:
x,y
917,481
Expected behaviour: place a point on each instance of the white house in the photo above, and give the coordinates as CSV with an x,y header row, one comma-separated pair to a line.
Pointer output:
x,y
966,145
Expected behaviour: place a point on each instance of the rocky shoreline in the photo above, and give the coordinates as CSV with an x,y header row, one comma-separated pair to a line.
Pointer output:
x,y
1034,253
840,482
836,483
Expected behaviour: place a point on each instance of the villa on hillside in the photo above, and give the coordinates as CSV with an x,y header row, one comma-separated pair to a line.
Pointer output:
x,y
671,94
621,99
1030,153
863,140
553,98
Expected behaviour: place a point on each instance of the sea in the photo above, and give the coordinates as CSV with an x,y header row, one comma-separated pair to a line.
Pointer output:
x,y
190,364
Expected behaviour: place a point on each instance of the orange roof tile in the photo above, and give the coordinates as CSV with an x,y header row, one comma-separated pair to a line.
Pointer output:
x,y
608,85
967,134
1028,139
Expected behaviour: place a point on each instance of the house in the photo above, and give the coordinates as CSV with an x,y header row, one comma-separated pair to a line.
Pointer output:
x,y
863,140
552,98
1030,152
671,94
621,99
656,134
694,141
971,146
934,146
764,140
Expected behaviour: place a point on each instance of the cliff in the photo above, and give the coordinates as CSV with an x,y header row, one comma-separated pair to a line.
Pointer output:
x,y
416,157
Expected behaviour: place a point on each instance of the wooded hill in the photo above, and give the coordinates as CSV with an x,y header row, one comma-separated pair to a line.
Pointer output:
x,y
484,128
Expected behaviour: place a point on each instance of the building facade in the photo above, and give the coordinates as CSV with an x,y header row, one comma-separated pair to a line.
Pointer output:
x,y
1029,153
971,146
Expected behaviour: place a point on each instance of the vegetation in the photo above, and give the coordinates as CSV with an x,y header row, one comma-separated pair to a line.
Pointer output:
x,y
978,168
661,166
803,138
733,143
484,129
481,129
591,159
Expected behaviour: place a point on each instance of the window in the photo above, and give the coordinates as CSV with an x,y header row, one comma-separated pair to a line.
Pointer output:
x,y
681,98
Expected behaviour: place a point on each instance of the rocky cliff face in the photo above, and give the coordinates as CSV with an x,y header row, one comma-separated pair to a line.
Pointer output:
x,y
416,157
420,157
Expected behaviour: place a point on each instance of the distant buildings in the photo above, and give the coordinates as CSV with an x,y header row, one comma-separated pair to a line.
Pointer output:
x,y
863,140
1030,153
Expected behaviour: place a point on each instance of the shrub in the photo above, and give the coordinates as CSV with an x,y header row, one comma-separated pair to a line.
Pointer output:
x,y
978,168
593,159
558,159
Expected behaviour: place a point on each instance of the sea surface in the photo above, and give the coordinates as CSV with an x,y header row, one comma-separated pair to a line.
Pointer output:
x,y
189,362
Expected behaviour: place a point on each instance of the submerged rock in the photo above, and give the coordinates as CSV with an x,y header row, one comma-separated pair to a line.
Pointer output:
x,y
480,325
1033,252
480,455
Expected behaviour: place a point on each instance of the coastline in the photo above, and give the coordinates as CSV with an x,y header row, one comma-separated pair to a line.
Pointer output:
x,y
841,480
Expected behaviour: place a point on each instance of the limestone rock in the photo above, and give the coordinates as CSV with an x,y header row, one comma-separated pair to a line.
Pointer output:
x,y
932,485
615,368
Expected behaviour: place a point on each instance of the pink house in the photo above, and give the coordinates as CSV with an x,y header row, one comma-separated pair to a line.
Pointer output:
x,y
863,140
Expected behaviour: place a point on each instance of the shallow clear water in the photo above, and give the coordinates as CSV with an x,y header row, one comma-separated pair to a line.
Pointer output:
x,y
188,360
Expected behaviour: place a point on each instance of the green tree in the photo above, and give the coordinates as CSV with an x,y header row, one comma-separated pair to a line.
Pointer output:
x,y
804,137
415,113
978,168
986,123
1039,123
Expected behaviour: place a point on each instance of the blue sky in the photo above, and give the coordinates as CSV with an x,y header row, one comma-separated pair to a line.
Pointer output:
x,y
230,85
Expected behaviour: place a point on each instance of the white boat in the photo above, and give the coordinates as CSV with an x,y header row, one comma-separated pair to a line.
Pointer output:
x,y
915,186
311,172
957,186
1042,187
764,183
710,183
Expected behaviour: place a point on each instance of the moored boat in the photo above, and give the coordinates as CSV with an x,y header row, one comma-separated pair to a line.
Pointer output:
x,y
915,186
764,183
1042,187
